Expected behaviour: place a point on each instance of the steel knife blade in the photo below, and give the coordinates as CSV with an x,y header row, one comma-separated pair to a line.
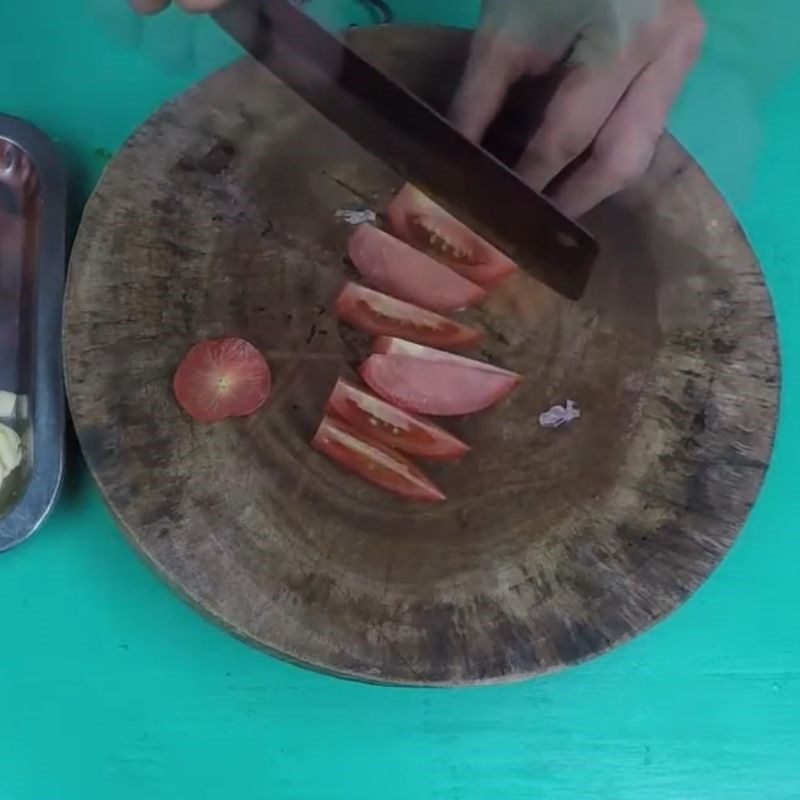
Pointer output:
x,y
414,140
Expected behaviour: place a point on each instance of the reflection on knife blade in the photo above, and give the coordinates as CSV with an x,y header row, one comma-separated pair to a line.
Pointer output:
x,y
414,140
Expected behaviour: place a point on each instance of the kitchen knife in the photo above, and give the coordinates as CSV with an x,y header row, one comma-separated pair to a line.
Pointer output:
x,y
416,141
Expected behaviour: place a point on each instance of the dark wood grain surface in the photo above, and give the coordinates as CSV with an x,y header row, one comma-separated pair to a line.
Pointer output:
x,y
218,217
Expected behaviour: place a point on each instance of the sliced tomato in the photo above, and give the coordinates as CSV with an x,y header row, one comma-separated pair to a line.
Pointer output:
x,y
390,425
378,314
416,219
396,268
373,461
438,388
221,378
392,346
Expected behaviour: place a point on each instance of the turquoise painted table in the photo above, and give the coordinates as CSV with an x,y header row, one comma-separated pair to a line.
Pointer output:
x,y
111,687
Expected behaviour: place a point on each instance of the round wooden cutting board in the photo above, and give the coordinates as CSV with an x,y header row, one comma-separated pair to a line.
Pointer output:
x,y
219,218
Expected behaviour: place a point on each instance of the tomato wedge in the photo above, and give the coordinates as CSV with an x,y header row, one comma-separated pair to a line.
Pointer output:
x,y
222,378
416,219
438,388
396,268
390,425
377,313
373,461
391,346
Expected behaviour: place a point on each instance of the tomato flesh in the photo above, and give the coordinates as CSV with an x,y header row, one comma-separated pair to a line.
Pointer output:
x,y
222,378
394,267
378,314
392,346
416,219
392,426
373,461
438,388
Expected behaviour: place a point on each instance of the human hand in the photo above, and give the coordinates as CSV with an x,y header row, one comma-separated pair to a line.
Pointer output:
x,y
192,6
626,63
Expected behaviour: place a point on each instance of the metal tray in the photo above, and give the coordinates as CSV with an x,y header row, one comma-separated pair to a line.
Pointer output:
x,y
32,267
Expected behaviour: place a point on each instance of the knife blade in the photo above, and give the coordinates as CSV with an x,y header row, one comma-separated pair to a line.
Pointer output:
x,y
414,140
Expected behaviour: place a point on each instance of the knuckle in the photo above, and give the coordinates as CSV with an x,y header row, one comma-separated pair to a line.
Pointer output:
x,y
504,50
691,29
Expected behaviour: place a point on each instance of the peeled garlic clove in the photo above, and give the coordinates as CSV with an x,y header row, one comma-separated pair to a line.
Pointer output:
x,y
8,404
10,451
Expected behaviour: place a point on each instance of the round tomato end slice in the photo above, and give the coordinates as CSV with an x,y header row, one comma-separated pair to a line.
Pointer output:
x,y
222,378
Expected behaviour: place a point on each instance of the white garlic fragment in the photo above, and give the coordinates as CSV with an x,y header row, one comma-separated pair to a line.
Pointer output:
x,y
559,415
8,404
10,452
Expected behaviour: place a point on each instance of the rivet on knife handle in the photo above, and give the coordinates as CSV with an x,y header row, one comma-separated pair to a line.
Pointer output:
x,y
413,139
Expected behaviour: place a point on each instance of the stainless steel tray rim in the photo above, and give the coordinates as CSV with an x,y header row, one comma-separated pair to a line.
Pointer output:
x,y
49,404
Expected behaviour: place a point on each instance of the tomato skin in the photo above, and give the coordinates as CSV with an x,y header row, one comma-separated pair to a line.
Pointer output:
x,y
398,269
374,462
392,426
222,378
437,388
420,222
393,346
379,314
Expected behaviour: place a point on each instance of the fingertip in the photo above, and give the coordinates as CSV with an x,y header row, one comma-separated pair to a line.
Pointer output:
x,y
572,204
147,7
618,160
490,71
200,6
467,115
